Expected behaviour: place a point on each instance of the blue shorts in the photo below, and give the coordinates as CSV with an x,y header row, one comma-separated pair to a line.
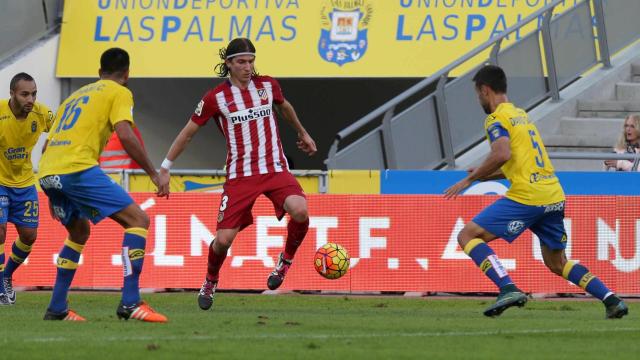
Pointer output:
x,y
89,194
19,206
508,219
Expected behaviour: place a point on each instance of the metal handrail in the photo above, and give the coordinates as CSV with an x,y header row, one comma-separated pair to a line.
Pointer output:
x,y
592,156
389,156
435,77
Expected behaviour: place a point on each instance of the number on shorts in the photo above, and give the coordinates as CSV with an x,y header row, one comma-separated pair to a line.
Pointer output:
x,y
223,203
31,208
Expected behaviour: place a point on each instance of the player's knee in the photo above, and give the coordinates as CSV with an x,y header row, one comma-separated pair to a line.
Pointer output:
x,y
80,236
464,236
221,244
143,220
28,238
299,212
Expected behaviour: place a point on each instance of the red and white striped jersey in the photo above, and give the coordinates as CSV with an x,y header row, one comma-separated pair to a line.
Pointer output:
x,y
248,122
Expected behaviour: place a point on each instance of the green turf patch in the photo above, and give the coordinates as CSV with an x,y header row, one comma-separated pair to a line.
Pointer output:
x,y
304,326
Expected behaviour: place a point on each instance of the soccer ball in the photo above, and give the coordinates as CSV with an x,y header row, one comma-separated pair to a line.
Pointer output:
x,y
331,261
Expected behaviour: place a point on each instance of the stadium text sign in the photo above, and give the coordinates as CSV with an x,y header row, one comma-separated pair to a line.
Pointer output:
x,y
397,243
294,38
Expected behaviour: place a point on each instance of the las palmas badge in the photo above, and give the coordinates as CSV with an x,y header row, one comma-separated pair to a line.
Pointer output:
x,y
343,37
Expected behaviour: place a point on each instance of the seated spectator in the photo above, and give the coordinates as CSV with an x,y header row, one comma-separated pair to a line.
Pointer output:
x,y
115,157
628,143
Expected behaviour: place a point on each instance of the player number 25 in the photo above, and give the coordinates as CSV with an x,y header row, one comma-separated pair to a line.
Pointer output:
x,y
31,208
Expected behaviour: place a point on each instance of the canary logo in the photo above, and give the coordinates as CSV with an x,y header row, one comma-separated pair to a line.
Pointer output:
x,y
485,265
136,254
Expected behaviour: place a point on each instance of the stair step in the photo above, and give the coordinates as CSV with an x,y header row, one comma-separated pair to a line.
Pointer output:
x,y
608,128
578,141
626,91
607,108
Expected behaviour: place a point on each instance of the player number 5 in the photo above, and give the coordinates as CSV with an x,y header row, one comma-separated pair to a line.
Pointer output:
x,y
539,158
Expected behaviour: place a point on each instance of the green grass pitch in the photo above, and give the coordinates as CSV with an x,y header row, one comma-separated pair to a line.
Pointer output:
x,y
248,326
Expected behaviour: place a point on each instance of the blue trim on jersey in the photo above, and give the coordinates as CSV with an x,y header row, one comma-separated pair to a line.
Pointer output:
x,y
496,131
19,206
508,219
89,194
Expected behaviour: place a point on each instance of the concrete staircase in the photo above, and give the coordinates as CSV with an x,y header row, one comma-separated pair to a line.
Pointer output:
x,y
598,123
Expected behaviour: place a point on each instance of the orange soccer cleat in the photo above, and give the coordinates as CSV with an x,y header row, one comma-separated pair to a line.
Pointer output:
x,y
142,311
69,315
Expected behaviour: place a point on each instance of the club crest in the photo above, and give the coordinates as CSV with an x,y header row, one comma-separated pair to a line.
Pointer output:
x,y
263,94
343,37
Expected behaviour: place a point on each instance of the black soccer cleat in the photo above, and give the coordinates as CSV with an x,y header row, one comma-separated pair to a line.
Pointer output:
x,y
617,309
506,300
277,275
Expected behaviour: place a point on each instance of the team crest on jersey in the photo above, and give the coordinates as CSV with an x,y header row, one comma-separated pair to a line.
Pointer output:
x,y
263,94
343,38
34,126
220,216
515,227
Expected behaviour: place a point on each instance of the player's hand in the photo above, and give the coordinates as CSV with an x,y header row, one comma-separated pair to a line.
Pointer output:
x,y
306,144
162,182
455,190
611,163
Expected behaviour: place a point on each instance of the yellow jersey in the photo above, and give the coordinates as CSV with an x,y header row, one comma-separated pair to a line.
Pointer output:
x,y
17,139
532,177
84,123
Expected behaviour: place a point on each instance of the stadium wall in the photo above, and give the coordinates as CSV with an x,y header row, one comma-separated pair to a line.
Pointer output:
x,y
397,243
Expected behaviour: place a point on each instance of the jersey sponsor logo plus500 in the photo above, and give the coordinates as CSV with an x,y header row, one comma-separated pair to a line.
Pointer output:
x,y
51,182
250,114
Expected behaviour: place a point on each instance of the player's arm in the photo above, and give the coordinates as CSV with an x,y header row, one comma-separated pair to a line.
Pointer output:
x,y
132,146
305,142
179,144
181,141
497,175
500,154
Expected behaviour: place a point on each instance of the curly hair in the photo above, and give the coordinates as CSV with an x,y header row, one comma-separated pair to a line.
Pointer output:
x,y
236,46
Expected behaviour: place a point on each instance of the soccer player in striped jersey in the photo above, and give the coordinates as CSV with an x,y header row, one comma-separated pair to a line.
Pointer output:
x,y
22,120
242,107
80,192
534,201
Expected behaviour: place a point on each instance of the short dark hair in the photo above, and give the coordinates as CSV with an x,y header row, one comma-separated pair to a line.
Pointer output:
x,y
236,46
114,60
492,76
17,77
